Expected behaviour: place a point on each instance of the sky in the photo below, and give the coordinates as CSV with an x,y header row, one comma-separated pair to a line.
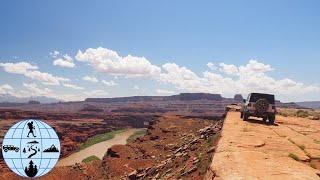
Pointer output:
x,y
71,50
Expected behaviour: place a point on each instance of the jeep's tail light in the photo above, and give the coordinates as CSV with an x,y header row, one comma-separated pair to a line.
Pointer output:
x,y
249,105
273,107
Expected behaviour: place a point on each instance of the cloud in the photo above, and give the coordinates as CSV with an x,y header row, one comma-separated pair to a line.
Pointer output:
x,y
31,71
181,77
229,69
72,86
109,83
211,66
92,79
165,92
255,66
18,68
6,89
109,62
251,77
63,61
136,87
96,93
36,91
55,54
45,78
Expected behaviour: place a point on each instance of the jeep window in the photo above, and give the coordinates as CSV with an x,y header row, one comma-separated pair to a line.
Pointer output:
x,y
255,97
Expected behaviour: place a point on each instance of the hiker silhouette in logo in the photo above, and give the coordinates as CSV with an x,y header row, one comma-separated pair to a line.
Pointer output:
x,y
31,129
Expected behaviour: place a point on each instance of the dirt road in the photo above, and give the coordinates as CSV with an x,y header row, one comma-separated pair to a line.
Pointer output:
x,y
255,150
98,149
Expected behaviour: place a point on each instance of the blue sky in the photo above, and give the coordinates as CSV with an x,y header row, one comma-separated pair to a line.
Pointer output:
x,y
177,40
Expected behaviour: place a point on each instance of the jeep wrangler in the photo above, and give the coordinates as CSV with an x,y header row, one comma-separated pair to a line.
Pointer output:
x,y
259,105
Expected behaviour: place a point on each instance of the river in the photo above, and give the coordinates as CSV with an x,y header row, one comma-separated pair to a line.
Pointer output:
x,y
98,149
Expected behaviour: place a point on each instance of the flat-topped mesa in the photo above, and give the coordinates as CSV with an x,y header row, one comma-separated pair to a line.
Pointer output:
x,y
199,96
181,97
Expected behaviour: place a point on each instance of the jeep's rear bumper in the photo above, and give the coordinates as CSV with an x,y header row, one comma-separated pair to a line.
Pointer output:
x,y
259,114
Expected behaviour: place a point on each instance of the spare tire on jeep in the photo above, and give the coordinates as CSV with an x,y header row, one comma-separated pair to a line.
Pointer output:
x,y
262,105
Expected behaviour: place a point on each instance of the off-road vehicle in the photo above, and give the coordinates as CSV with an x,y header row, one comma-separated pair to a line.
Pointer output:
x,y
259,105
7,148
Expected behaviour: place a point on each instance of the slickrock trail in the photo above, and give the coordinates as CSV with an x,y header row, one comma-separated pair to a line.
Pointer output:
x,y
256,150
98,149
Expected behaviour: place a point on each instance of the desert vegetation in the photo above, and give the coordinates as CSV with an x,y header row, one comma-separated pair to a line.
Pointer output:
x,y
137,134
100,138
90,158
294,156
303,113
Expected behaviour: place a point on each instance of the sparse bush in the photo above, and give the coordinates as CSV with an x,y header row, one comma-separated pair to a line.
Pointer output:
x,y
313,166
209,140
293,156
282,113
302,147
90,158
302,113
203,172
137,134
182,171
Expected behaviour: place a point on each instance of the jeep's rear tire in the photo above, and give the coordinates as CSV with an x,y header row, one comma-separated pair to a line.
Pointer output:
x,y
264,119
245,116
271,119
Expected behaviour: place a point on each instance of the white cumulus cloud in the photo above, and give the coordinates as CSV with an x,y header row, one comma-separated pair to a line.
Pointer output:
x,y
92,79
63,61
211,66
109,83
229,69
45,78
72,86
6,89
181,77
55,54
109,62
36,91
18,68
251,77
31,71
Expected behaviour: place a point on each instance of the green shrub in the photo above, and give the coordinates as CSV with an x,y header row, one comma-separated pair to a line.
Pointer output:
x,y
137,134
293,156
100,138
302,113
313,166
302,147
90,158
